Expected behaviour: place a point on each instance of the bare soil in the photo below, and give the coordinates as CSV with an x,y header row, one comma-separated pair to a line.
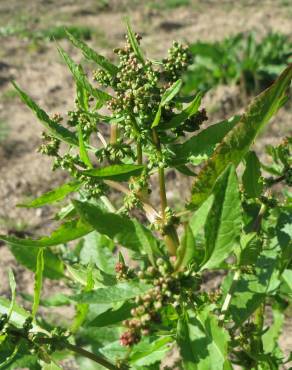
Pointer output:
x,y
37,68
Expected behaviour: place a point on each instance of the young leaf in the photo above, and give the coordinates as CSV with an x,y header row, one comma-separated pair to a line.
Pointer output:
x,y
116,293
81,79
237,142
68,231
54,128
82,148
53,196
38,281
251,177
203,343
12,284
224,221
116,172
134,42
54,267
120,229
92,55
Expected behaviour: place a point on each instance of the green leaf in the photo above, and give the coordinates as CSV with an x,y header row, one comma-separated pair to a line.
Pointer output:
x,y
111,316
18,316
224,221
116,172
186,251
54,128
134,43
81,79
12,284
203,343
199,217
82,148
97,249
251,177
53,267
92,55
117,293
168,95
118,228
68,231
237,142
199,147
53,196
38,281
188,112
271,336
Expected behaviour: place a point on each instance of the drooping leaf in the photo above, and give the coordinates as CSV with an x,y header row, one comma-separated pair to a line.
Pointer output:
x,y
224,221
120,229
12,284
92,55
81,79
199,147
251,177
38,281
237,142
65,233
134,42
116,172
203,343
117,293
111,316
53,196
53,127
54,268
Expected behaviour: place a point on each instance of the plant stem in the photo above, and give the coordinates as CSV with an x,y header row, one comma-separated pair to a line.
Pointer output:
x,y
229,296
139,153
114,134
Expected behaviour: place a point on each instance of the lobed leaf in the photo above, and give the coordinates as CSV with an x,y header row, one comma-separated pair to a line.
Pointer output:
x,y
237,142
115,172
54,128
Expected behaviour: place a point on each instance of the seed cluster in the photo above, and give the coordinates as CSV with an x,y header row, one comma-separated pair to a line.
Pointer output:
x,y
179,58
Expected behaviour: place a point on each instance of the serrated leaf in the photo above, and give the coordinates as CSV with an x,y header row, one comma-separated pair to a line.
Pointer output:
x,y
238,141
65,233
111,316
224,221
53,196
92,55
188,112
134,43
203,343
199,147
81,79
38,281
54,267
117,293
251,177
121,229
115,172
53,127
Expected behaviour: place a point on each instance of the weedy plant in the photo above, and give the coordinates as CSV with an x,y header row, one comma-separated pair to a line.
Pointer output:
x,y
239,59
138,272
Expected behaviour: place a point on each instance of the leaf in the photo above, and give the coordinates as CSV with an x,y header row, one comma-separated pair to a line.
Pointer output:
x,y
186,251
12,284
251,178
111,316
117,293
92,55
203,343
120,229
53,268
54,128
97,249
237,142
53,196
199,218
18,316
271,336
116,172
134,43
188,112
168,95
81,79
38,281
224,221
201,146
67,232
82,148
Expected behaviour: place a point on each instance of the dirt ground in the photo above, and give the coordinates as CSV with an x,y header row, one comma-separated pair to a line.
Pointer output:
x,y
37,68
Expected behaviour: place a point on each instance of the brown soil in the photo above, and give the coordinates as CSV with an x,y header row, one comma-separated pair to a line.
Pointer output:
x,y
37,68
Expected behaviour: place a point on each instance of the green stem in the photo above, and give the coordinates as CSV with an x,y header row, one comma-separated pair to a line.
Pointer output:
x,y
259,323
139,153
229,296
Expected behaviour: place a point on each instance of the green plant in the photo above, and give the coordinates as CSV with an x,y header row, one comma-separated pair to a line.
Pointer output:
x,y
239,59
133,304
